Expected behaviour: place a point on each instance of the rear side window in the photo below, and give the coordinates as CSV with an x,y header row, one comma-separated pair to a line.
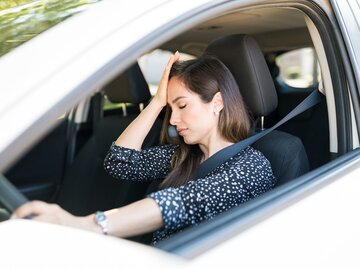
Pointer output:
x,y
299,68
153,63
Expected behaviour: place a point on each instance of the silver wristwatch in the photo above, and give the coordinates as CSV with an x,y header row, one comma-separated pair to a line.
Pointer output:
x,y
101,220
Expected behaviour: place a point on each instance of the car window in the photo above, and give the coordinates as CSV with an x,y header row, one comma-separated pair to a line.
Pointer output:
x,y
299,68
153,63
21,20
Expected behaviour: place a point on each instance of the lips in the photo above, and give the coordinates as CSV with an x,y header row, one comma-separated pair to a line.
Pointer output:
x,y
181,131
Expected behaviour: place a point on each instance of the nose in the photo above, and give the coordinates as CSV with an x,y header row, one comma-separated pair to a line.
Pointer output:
x,y
174,118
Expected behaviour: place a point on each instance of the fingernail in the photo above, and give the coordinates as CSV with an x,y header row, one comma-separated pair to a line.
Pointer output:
x,y
13,216
177,52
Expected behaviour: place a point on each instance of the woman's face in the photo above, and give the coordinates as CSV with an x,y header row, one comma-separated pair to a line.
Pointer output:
x,y
195,120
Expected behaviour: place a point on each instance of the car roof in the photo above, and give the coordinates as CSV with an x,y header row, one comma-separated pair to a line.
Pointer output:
x,y
286,27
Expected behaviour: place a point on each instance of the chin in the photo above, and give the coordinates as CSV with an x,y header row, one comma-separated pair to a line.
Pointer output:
x,y
189,141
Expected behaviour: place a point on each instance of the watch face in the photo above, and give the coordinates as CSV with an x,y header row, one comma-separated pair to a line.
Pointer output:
x,y
100,216
100,219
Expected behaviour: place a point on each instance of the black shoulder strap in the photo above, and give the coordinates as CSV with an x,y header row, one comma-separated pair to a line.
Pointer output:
x,y
221,156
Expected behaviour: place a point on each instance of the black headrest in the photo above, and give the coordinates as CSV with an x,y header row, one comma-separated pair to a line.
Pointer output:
x,y
129,87
242,55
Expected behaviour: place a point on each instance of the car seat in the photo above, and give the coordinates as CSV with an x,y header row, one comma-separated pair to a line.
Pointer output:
x,y
86,186
242,55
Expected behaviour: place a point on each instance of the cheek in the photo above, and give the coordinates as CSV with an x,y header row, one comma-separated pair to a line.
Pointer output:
x,y
197,116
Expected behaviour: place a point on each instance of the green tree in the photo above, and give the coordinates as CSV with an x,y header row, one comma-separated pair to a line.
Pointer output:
x,y
24,19
5,4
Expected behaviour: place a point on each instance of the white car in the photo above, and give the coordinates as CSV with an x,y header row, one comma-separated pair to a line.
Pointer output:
x,y
67,93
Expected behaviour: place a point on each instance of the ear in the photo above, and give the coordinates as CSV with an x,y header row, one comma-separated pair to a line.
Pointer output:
x,y
218,102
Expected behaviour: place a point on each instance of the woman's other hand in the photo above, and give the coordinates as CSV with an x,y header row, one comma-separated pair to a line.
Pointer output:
x,y
161,94
50,213
140,217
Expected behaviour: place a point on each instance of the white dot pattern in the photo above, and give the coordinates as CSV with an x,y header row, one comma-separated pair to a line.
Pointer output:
x,y
145,165
241,178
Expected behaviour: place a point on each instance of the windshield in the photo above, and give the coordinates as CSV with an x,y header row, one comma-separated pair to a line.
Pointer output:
x,y
21,20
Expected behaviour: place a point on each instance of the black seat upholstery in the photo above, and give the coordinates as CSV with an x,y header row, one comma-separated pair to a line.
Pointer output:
x,y
137,90
242,55
86,186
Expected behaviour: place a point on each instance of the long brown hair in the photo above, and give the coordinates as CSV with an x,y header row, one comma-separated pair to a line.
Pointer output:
x,y
205,76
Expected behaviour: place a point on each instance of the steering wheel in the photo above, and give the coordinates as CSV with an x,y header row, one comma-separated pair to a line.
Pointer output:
x,y
10,196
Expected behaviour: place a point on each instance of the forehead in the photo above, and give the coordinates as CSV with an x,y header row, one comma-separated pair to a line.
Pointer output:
x,y
177,88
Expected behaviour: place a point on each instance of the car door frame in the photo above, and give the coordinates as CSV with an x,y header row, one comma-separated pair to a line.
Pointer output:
x,y
196,241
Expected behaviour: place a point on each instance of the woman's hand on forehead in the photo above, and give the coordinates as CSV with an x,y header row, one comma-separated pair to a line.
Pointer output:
x,y
161,94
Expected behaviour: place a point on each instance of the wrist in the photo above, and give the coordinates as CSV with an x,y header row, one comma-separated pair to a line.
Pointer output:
x,y
157,103
102,221
89,223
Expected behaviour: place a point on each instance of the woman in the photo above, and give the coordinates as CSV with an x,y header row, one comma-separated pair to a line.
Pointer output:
x,y
205,105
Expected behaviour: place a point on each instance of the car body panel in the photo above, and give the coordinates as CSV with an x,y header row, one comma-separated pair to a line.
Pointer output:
x,y
77,249
349,21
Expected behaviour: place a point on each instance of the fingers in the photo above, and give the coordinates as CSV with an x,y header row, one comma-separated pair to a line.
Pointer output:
x,y
176,56
161,94
173,58
44,212
33,208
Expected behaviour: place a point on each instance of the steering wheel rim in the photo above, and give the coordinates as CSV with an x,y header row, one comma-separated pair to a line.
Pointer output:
x,y
10,196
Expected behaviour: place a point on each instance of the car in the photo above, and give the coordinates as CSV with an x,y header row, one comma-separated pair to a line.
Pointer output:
x,y
68,92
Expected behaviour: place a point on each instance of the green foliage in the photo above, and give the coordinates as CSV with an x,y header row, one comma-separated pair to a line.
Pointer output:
x,y
19,23
4,4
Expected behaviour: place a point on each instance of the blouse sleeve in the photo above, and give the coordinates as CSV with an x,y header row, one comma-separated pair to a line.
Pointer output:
x,y
147,164
229,185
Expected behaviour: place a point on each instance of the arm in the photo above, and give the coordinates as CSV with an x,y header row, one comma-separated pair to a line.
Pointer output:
x,y
174,208
137,218
147,164
135,133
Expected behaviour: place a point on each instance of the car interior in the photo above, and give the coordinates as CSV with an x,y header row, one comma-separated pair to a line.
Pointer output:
x,y
66,166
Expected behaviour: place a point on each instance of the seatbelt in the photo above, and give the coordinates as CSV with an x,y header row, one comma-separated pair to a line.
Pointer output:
x,y
226,153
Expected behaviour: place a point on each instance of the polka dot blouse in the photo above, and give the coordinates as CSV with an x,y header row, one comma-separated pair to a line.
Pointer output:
x,y
241,178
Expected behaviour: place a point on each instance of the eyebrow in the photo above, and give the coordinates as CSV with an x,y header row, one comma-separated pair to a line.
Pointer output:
x,y
177,98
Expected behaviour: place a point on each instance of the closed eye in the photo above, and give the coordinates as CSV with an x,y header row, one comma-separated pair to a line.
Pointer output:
x,y
182,107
